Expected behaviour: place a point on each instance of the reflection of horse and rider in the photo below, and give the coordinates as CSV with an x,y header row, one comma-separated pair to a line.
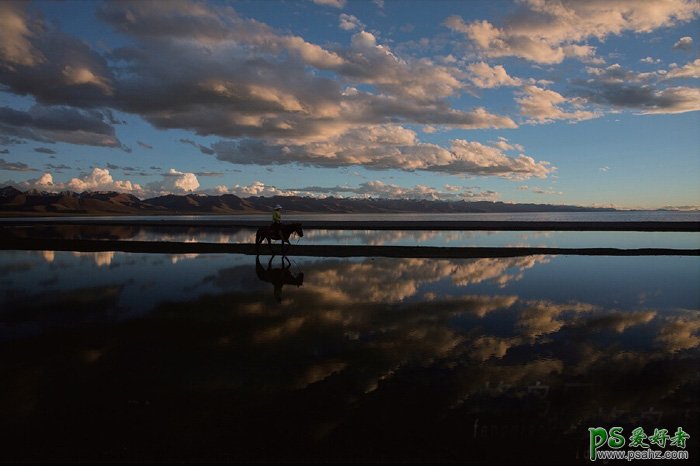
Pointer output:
x,y
277,230
278,276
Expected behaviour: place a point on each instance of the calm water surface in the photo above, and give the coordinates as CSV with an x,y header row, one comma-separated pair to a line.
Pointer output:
x,y
214,357
219,234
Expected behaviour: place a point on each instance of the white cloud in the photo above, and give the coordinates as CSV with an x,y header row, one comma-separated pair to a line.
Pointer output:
x,y
548,191
82,75
650,60
349,22
684,43
178,182
257,188
99,179
331,3
485,76
370,189
387,147
548,31
545,106
503,144
689,70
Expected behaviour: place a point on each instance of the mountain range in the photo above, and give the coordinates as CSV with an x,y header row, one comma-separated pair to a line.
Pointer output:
x,y
32,202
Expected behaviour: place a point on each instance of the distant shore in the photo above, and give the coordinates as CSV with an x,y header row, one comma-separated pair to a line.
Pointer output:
x,y
473,225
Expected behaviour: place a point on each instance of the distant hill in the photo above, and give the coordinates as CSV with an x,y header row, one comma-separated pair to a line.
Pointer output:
x,y
32,202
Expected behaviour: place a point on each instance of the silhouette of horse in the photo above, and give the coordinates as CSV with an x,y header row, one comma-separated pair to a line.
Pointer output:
x,y
278,276
285,231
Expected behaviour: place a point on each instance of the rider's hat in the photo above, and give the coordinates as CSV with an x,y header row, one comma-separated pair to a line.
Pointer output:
x,y
278,207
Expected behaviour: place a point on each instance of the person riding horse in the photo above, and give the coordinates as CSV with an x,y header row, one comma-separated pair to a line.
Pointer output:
x,y
277,230
276,220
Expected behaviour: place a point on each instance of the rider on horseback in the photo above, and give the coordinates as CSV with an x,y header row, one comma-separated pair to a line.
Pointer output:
x,y
277,221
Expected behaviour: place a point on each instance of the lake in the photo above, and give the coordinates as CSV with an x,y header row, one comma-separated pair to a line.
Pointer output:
x,y
455,238
116,356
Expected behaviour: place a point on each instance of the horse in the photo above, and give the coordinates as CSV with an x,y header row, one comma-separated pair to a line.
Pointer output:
x,y
285,231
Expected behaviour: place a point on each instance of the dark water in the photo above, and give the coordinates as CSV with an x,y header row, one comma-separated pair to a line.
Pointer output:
x,y
151,357
227,235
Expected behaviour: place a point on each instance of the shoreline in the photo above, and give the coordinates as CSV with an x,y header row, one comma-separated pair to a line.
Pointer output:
x,y
464,225
161,247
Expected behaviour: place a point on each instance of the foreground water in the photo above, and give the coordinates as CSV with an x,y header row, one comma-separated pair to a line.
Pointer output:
x,y
151,357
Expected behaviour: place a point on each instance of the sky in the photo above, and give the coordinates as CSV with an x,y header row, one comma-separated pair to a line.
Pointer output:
x,y
582,102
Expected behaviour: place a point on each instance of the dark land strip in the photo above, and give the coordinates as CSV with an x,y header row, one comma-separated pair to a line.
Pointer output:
x,y
371,224
162,247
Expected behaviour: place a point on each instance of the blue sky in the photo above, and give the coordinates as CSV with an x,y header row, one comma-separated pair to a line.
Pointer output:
x,y
560,102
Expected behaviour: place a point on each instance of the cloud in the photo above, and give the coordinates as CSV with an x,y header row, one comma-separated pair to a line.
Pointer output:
x,y
257,188
620,88
484,76
57,168
689,70
349,22
44,150
379,189
15,36
684,43
650,60
545,317
176,182
387,147
242,79
548,31
503,144
548,191
39,60
97,180
370,189
621,321
680,333
331,3
203,149
82,75
58,124
144,145
545,106
100,180
15,166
